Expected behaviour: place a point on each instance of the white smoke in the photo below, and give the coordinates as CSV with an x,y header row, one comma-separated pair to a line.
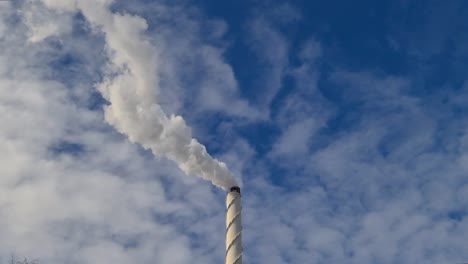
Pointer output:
x,y
131,87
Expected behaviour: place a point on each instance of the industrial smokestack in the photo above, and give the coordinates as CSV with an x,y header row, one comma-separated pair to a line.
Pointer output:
x,y
233,227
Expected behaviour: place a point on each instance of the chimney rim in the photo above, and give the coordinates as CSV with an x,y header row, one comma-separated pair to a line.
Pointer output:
x,y
235,189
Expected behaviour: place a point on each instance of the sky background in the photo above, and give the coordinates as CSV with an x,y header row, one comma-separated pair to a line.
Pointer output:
x,y
344,121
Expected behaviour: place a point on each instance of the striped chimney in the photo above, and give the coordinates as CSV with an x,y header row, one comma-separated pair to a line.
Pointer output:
x,y
233,227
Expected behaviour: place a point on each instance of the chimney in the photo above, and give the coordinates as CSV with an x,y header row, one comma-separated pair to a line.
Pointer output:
x,y
233,227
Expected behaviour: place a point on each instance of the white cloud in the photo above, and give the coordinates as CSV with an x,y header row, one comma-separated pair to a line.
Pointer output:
x,y
303,112
272,50
296,138
43,23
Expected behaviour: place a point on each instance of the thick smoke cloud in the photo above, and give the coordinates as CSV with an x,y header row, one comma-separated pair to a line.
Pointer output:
x,y
131,87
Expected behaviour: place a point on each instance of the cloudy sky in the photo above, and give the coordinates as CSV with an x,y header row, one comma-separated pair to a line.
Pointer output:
x,y
345,123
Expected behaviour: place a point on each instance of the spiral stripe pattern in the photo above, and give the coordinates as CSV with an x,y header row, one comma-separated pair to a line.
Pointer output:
x,y
233,228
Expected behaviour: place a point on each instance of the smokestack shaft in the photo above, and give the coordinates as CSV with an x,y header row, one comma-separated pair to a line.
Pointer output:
x,y
233,227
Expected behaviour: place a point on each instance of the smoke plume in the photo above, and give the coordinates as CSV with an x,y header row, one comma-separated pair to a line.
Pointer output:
x,y
131,86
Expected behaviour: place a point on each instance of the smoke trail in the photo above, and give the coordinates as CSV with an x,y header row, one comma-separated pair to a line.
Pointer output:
x,y
130,85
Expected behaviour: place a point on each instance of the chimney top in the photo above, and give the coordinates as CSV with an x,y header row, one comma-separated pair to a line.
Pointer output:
x,y
235,189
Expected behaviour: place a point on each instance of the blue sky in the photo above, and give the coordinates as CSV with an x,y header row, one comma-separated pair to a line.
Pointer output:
x,y
345,124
